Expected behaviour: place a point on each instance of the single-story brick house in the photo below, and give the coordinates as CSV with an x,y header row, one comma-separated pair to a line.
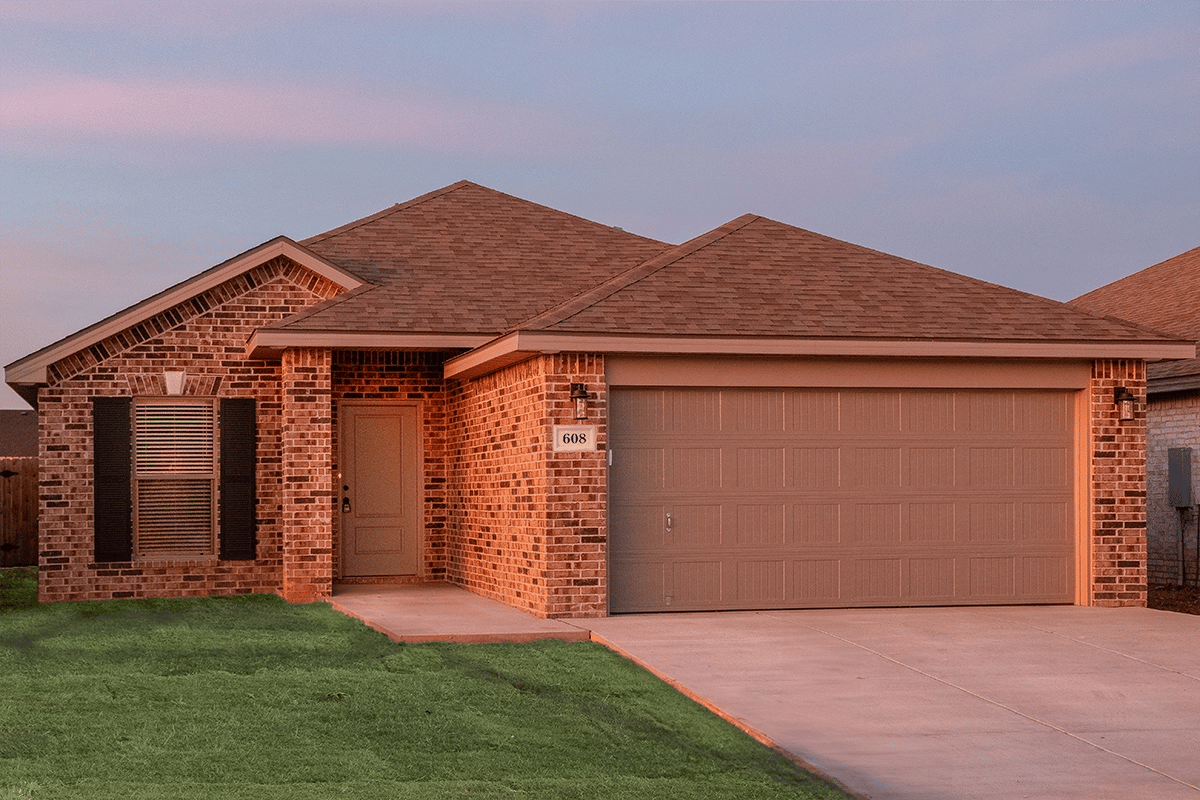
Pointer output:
x,y
576,420
1166,297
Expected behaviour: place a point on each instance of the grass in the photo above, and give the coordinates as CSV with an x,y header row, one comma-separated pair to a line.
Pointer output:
x,y
250,697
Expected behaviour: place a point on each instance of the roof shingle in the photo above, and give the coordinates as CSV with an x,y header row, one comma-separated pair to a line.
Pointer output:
x,y
465,259
1164,297
755,277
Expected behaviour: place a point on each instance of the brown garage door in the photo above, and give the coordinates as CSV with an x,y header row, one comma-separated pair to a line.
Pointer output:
x,y
793,498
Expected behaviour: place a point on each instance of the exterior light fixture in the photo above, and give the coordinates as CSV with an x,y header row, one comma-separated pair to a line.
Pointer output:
x,y
1124,400
579,394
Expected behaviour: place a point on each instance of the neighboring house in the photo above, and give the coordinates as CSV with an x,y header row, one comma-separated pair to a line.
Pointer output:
x,y
575,420
18,433
1166,297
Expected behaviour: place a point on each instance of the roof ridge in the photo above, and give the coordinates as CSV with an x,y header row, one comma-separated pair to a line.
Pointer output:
x,y
392,209
589,297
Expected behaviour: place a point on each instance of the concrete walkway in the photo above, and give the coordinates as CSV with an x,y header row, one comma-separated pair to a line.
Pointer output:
x,y
911,704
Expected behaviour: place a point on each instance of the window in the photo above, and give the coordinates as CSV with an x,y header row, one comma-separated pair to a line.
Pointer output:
x,y
174,478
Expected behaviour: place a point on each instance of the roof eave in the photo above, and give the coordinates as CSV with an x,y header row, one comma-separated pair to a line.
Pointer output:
x,y
520,345
268,344
31,370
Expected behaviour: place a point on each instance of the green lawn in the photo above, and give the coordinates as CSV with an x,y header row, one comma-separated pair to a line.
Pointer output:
x,y
250,697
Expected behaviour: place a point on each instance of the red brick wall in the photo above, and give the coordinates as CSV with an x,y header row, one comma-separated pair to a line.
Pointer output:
x,y
1118,487
528,526
205,337
408,377
307,518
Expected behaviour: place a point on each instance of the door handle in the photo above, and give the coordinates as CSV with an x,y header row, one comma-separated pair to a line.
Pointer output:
x,y
345,500
670,522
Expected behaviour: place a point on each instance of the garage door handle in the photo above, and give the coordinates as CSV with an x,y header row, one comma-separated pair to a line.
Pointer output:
x,y
670,522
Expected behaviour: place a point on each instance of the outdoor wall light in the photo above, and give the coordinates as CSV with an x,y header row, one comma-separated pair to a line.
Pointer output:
x,y
579,394
1124,400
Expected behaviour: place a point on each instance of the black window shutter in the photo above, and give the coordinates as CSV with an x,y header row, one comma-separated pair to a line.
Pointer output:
x,y
237,490
112,478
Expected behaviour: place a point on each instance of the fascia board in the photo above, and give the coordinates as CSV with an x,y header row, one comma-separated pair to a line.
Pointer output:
x,y
519,345
270,343
31,370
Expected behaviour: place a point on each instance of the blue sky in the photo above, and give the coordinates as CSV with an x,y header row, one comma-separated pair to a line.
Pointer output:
x,y
1050,147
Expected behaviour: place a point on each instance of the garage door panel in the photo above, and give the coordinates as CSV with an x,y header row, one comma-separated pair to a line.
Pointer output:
x,y
695,584
873,468
992,577
870,412
814,469
991,467
873,525
694,468
1046,577
875,580
1041,412
988,412
930,468
931,523
929,413
760,582
642,469
815,524
992,522
643,410
761,525
1045,523
637,527
751,411
863,498
693,411
641,585
1043,467
816,581
758,468
931,579
814,411
696,525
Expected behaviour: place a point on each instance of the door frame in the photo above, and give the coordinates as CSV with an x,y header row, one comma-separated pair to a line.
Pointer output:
x,y
419,464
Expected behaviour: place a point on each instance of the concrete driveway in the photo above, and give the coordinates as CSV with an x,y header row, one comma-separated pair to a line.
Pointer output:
x,y
950,704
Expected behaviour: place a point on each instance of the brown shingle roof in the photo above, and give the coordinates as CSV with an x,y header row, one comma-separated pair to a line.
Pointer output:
x,y
465,259
755,277
1165,297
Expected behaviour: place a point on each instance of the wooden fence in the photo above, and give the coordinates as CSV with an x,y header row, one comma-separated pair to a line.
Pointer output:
x,y
18,512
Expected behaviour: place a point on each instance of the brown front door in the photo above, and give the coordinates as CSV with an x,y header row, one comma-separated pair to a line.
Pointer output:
x,y
380,504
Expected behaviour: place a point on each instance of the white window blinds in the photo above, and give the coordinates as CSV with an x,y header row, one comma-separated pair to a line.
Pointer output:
x,y
175,474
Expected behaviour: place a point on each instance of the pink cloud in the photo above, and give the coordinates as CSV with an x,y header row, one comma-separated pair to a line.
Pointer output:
x,y
72,107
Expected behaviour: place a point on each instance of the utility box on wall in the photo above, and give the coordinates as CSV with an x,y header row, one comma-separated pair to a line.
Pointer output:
x,y
1179,477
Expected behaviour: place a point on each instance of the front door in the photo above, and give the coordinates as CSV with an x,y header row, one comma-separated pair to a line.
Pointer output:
x,y
380,503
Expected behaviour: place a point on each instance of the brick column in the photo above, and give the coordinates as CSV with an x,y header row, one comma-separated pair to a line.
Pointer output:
x,y
307,475
1118,486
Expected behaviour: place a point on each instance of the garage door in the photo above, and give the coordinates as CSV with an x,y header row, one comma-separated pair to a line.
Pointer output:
x,y
790,498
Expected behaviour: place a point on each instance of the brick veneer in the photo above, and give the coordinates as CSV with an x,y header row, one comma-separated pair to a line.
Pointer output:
x,y
1172,421
1118,487
307,518
205,336
527,526
404,377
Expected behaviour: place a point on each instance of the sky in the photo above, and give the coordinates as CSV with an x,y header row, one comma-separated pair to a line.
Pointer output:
x,y
1048,147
